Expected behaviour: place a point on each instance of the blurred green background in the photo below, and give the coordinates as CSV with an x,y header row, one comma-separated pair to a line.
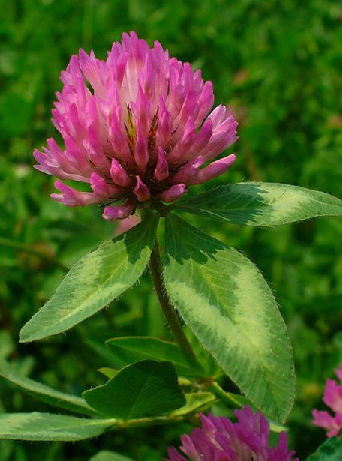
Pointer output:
x,y
277,64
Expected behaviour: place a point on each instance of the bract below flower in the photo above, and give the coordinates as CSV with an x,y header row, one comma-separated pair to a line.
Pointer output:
x,y
125,224
137,128
221,440
332,398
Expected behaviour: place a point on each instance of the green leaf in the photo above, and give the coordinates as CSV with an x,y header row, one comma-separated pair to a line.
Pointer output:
x,y
195,402
94,282
109,456
261,204
207,362
146,388
49,427
45,393
225,301
103,353
108,372
133,349
330,450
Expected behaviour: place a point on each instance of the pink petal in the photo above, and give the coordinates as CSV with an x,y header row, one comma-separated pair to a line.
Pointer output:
x,y
102,189
173,193
333,395
162,170
119,174
174,455
212,170
117,212
141,152
188,171
323,419
165,124
141,190
72,197
118,140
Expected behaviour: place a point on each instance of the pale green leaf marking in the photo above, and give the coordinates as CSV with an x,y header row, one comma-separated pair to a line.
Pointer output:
x,y
97,279
261,204
195,402
109,456
47,427
225,301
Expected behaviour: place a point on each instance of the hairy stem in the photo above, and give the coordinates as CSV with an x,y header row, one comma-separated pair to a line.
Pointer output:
x,y
232,400
168,309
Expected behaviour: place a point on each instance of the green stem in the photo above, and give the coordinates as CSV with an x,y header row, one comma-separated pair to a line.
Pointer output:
x,y
226,397
168,309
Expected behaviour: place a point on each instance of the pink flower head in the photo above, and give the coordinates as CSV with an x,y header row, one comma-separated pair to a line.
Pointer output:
x,y
221,440
332,398
137,128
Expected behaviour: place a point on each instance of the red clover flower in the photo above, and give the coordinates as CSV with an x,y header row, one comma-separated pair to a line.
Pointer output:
x,y
221,440
137,128
332,398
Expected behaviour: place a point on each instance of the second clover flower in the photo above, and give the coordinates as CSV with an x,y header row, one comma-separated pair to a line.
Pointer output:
x,y
333,399
137,127
221,440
